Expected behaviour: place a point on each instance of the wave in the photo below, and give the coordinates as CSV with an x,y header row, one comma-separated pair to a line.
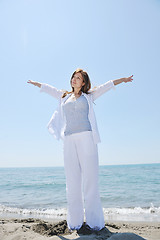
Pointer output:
x,y
46,213
116,214
150,214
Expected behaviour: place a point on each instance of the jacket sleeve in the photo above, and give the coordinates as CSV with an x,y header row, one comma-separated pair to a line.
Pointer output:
x,y
54,92
98,91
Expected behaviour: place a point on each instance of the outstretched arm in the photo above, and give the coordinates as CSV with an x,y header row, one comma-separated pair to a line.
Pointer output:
x,y
120,80
100,90
54,92
37,84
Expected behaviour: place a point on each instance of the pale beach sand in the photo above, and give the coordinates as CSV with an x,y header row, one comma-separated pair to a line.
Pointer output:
x,y
36,229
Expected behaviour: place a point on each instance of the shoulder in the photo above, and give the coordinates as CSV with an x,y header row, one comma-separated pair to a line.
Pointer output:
x,y
89,96
64,97
64,93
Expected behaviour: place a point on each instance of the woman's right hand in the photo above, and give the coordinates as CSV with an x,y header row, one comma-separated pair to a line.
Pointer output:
x,y
34,83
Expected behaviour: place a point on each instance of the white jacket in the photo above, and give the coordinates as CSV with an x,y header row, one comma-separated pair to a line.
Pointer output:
x,y
56,125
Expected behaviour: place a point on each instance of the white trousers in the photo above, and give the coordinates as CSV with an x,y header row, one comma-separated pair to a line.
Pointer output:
x,y
81,170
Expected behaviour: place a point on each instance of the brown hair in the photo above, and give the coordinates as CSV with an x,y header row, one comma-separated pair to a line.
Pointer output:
x,y
86,80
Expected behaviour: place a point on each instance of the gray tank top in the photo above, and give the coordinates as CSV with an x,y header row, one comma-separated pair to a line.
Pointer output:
x,y
76,115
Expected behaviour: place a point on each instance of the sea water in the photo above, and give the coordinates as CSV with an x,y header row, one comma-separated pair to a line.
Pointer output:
x,y
128,192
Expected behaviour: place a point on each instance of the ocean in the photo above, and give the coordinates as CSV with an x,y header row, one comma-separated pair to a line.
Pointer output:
x,y
128,192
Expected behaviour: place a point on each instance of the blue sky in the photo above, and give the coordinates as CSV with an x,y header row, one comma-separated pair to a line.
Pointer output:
x,y
46,40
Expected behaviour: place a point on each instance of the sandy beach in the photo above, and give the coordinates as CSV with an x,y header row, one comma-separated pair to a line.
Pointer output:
x,y
36,229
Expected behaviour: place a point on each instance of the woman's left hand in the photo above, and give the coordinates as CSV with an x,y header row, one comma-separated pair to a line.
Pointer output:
x,y
128,79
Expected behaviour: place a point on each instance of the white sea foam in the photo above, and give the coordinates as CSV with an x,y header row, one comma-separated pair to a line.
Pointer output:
x,y
42,213
110,214
133,214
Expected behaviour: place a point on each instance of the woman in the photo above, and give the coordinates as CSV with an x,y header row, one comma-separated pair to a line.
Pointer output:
x,y
74,122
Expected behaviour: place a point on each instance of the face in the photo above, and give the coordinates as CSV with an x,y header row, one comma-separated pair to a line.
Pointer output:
x,y
77,81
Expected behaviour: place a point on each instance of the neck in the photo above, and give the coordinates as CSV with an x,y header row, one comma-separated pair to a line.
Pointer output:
x,y
77,91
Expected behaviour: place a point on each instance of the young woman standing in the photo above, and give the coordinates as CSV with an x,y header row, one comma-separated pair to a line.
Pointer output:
x,y
75,123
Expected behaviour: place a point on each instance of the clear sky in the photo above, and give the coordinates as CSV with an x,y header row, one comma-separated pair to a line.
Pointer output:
x,y
46,40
